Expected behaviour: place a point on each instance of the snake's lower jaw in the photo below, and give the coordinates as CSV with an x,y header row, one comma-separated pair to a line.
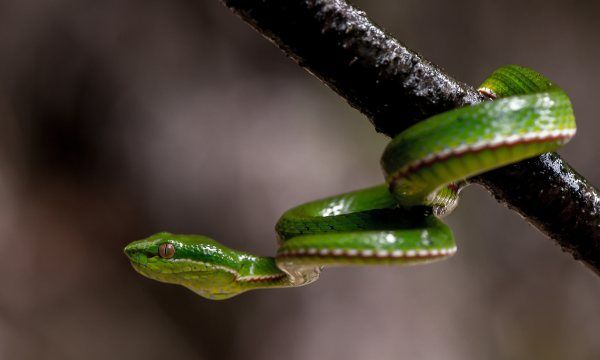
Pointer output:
x,y
147,272
210,284
218,287
213,295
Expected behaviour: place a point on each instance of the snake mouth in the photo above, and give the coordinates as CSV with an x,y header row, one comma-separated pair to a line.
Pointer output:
x,y
141,264
142,260
159,269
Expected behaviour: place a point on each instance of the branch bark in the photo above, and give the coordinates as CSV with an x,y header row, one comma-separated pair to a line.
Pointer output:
x,y
395,87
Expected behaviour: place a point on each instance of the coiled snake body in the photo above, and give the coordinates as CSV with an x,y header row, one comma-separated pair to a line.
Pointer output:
x,y
395,223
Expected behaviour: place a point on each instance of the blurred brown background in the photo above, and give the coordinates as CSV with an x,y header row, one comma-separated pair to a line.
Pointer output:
x,y
121,118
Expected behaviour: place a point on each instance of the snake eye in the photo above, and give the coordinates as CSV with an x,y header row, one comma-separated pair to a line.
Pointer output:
x,y
166,251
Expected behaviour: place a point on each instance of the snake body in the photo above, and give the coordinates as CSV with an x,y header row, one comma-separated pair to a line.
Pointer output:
x,y
398,222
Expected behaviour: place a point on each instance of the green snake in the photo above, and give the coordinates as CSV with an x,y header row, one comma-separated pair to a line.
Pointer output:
x,y
396,223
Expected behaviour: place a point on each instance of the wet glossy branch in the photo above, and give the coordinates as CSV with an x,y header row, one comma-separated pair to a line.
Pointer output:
x,y
395,87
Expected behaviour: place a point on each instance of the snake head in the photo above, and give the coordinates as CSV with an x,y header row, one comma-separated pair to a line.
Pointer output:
x,y
202,265
197,262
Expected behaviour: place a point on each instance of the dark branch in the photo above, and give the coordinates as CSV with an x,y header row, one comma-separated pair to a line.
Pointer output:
x,y
395,87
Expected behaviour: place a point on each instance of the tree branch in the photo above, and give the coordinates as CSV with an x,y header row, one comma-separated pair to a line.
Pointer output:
x,y
395,87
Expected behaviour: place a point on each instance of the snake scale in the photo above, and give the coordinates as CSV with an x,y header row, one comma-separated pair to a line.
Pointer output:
x,y
398,222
